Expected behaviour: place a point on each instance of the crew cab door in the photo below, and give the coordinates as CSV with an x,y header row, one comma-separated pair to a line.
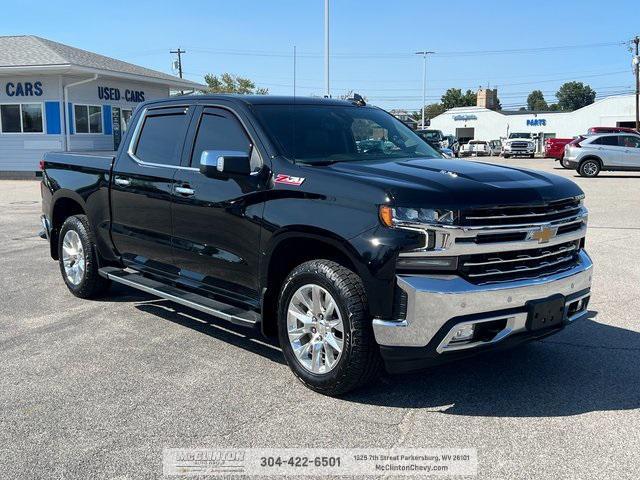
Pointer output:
x,y
216,221
142,187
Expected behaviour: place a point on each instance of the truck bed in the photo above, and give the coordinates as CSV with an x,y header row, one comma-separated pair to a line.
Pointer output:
x,y
94,159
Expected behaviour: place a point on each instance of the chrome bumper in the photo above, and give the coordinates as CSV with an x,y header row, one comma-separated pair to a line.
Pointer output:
x,y
435,300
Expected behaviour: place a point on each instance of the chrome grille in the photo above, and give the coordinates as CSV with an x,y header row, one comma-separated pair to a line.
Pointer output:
x,y
555,212
521,264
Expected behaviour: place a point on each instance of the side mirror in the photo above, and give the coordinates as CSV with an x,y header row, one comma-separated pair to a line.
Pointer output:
x,y
224,163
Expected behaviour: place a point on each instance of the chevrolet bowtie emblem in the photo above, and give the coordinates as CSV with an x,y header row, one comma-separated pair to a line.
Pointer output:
x,y
544,234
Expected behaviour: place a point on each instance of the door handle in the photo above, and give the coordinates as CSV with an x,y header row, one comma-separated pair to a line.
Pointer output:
x,y
185,190
123,182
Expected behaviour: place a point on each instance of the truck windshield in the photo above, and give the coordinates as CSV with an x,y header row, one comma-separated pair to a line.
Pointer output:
x,y
519,135
317,134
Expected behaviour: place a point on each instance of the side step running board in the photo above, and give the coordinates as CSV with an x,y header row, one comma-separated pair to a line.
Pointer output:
x,y
175,294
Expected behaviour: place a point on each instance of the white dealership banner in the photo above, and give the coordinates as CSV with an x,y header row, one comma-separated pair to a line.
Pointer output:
x,y
227,462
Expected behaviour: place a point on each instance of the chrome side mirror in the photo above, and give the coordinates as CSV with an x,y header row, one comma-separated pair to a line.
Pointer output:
x,y
224,163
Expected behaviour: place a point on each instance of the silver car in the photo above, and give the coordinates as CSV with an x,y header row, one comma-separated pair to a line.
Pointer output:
x,y
611,151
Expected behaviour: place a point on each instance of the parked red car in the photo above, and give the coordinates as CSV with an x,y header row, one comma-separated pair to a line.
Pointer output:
x,y
594,130
554,148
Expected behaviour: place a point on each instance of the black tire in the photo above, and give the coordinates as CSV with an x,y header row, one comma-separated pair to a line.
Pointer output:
x,y
532,156
91,284
506,155
360,361
589,168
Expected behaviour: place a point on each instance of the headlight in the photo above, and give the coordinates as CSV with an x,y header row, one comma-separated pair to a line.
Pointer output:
x,y
398,216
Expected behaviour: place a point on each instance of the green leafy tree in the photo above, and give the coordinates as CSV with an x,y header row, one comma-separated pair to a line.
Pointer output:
x,y
574,95
536,101
454,97
228,83
431,111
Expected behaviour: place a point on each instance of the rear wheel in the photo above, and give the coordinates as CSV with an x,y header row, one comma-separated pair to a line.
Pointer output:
x,y
589,168
325,330
506,155
78,258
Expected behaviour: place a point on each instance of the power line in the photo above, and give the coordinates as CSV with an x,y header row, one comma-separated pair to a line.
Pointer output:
x,y
405,55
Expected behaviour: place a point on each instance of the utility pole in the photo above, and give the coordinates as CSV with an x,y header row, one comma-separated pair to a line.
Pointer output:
x,y
179,52
294,71
636,63
424,54
326,49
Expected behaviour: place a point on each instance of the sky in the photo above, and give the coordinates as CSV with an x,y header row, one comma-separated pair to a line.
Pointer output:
x,y
513,46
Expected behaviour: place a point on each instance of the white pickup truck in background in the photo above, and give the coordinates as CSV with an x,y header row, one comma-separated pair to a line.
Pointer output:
x,y
519,143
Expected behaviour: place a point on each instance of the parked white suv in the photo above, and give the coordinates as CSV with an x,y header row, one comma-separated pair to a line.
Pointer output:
x,y
519,144
610,151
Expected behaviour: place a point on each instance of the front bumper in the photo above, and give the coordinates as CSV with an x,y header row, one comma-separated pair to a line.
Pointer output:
x,y
438,304
519,151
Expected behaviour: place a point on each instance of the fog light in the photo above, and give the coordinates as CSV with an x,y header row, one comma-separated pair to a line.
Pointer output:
x,y
463,333
427,263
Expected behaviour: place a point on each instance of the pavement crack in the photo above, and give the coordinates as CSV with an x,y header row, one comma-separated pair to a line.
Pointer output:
x,y
404,426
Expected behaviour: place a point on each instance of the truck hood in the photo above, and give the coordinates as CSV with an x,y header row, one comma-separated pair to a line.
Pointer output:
x,y
456,184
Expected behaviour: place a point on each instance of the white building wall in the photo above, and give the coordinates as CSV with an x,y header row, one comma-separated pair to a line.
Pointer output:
x,y
491,125
23,151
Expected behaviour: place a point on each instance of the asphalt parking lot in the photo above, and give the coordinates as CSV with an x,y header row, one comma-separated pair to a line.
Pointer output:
x,y
96,389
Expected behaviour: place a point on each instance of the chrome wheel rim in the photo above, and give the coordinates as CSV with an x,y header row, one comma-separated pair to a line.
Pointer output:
x,y
315,329
73,257
590,168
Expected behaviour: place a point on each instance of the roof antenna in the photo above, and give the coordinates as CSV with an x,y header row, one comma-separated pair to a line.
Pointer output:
x,y
358,100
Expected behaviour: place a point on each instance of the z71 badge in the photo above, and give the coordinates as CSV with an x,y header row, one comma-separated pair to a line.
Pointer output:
x,y
289,180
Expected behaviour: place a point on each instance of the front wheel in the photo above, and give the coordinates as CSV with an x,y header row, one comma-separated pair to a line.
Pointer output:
x,y
78,258
589,168
325,330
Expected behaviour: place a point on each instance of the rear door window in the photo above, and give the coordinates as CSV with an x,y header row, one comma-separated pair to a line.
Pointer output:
x,y
162,136
611,141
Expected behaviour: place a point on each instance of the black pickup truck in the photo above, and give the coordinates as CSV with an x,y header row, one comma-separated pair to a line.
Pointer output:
x,y
327,223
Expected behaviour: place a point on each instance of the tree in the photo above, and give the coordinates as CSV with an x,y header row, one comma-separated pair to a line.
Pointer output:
x,y
536,101
574,95
454,97
430,111
228,83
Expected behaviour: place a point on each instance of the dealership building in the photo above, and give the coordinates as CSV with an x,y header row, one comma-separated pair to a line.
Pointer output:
x,y
482,123
57,97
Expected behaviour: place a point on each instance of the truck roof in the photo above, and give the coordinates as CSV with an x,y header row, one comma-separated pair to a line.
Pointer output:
x,y
256,100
